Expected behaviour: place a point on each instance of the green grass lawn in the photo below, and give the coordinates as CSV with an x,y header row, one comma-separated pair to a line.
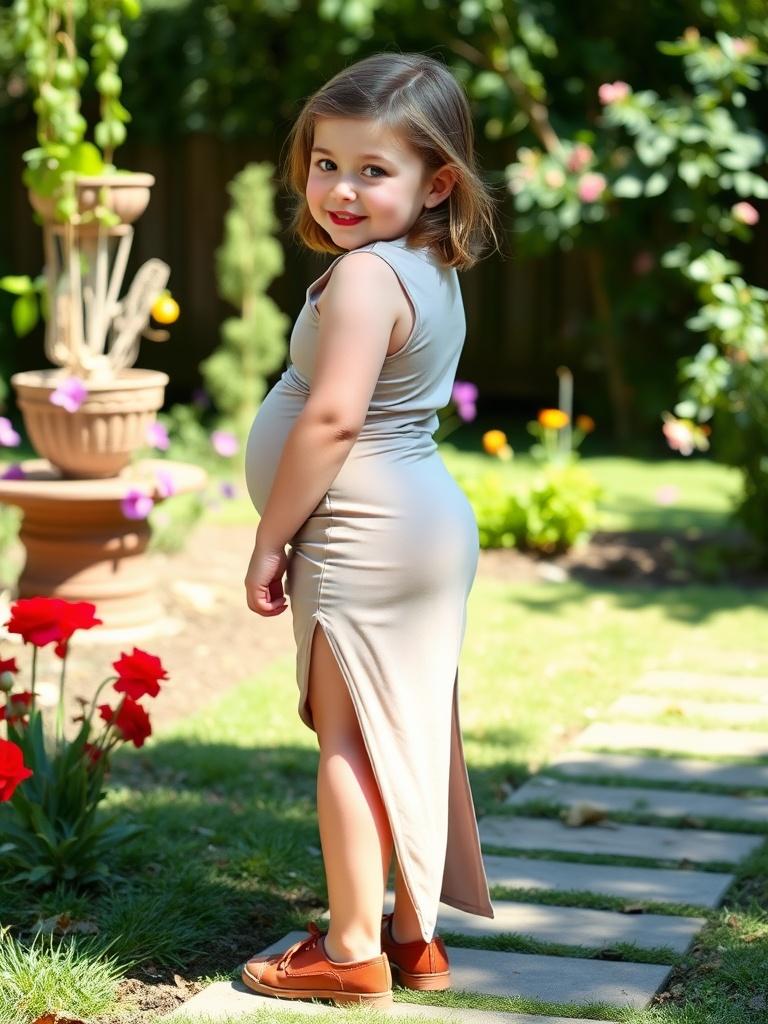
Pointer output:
x,y
231,861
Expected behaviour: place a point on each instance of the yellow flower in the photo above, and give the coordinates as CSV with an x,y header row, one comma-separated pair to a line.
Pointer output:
x,y
585,423
165,309
554,418
493,441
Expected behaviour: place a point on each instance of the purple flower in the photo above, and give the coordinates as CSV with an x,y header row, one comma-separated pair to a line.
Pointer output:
x,y
224,443
165,483
464,395
136,504
8,436
157,436
228,489
464,392
14,472
201,398
70,394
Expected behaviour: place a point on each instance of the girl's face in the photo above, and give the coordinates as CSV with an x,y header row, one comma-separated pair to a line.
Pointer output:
x,y
363,170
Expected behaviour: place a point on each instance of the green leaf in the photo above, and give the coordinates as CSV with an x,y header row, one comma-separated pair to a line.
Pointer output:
x,y
657,183
16,284
690,172
84,158
24,314
628,186
37,874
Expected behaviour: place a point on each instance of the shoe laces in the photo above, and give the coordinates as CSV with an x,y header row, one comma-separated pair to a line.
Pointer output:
x,y
310,943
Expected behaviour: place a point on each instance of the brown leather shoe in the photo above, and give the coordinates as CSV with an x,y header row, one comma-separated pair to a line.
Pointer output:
x,y
420,965
303,971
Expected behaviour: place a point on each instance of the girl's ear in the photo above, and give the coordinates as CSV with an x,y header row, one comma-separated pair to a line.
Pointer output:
x,y
440,186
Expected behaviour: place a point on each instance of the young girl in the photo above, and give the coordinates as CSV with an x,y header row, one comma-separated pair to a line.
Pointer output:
x,y
342,466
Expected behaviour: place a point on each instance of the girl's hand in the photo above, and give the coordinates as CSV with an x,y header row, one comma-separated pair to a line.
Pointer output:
x,y
264,581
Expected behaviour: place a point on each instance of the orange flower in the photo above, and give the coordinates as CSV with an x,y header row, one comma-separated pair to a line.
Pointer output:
x,y
554,418
494,441
585,423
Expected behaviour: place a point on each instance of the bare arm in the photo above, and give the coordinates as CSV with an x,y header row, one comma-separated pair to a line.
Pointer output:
x,y
360,305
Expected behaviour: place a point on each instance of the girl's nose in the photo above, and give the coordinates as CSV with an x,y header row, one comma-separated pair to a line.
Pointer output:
x,y
344,190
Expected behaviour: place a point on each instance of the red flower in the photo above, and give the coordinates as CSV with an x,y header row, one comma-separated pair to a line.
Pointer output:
x,y
8,665
92,752
17,706
139,674
12,769
131,722
45,620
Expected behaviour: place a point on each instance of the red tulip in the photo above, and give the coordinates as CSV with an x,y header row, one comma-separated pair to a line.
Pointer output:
x,y
44,620
17,706
12,769
131,721
139,674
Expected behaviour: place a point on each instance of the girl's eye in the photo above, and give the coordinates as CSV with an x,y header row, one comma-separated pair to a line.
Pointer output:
x,y
373,167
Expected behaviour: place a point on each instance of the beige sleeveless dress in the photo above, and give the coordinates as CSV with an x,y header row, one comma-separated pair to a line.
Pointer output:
x,y
385,564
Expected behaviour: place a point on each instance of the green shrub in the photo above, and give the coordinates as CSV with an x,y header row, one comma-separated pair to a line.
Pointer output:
x,y
556,511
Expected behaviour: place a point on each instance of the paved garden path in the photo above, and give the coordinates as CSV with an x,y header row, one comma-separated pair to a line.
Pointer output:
x,y
579,806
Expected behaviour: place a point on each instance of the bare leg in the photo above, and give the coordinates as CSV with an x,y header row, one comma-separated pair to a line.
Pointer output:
x,y
354,829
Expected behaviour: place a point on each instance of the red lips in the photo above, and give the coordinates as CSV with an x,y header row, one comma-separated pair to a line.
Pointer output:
x,y
345,220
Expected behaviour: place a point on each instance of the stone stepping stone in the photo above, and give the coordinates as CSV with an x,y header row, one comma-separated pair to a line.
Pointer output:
x,y
696,845
642,706
576,926
629,736
697,888
669,803
227,1000
558,979
660,769
737,687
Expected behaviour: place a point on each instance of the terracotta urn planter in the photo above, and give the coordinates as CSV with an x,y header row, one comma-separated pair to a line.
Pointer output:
x,y
99,438
127,195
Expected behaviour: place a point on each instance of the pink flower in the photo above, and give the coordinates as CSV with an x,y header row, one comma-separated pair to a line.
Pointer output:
x,y
14,472
579,157
224,443
70,394
157,436
8,436
745,213
591,187
679,435
554,178
610,92
166,485
136,504
741,47
464,395
667,494
227,489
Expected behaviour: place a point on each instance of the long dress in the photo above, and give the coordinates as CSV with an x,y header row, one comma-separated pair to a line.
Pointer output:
x,y
384,564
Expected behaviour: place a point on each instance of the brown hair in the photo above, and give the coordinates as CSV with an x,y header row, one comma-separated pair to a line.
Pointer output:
x,y
420,99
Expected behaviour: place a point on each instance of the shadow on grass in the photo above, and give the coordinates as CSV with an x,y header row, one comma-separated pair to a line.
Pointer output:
x,y
228,862
691,604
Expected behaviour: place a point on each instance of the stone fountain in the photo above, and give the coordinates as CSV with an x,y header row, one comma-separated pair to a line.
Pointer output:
x,y
79,542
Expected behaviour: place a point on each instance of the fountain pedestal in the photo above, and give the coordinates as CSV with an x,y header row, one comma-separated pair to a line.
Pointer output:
x,y
81,547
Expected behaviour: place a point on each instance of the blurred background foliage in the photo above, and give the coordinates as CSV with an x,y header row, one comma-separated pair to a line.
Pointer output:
x,y
212,85
600,284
